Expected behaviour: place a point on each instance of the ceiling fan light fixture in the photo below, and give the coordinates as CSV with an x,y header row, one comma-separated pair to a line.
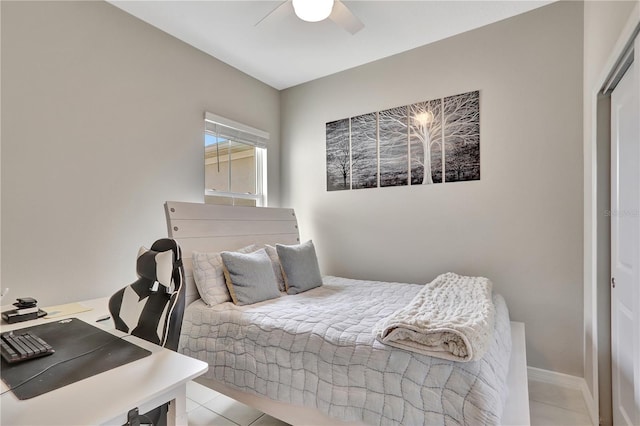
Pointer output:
x,y
312,10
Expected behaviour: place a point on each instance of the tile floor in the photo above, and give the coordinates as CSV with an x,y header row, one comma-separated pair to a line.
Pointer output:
x,y
554,405
208,407
549,405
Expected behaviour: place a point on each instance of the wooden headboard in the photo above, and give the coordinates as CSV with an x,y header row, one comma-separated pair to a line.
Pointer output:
x,y
214,228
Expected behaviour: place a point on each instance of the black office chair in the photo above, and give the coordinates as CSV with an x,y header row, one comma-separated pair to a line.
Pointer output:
x,y
152,307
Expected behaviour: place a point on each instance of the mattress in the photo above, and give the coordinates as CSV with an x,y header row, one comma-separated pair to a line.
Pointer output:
x,y
317,349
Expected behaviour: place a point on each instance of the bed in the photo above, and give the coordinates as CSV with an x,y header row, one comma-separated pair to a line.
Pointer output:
x,y
311,358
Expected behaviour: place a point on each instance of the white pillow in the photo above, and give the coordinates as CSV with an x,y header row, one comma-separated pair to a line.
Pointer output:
x,y
275,263
208,273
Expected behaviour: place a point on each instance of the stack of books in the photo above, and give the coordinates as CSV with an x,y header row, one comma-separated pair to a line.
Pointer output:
x,y
26,309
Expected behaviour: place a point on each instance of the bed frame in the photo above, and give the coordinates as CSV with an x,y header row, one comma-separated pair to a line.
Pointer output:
x,y
214,228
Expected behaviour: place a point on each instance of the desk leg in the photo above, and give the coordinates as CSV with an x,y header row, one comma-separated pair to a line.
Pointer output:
x,y
177,415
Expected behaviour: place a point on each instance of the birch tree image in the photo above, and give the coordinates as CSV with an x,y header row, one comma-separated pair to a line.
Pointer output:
x,y
462,137
364,151
426,141
393,145
338,155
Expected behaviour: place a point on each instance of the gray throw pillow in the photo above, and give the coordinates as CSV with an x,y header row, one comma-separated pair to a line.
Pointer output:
x,y
208,273
299,267
249,277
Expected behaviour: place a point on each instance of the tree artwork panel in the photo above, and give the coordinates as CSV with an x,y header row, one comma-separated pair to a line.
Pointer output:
x,y
364,151
338,155
424,143
462,137
393,145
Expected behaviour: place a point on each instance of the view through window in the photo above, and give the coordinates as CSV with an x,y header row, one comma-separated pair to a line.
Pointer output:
x,y
235,163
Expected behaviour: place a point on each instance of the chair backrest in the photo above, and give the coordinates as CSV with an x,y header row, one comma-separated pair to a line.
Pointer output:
x,y
152,307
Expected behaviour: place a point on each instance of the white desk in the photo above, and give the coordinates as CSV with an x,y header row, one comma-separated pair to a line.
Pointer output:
x,y
107,397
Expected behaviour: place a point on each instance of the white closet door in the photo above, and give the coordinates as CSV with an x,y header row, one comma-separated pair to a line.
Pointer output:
x,y
625,245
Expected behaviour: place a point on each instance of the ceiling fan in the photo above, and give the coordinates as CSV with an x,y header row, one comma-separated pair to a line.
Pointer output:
x,y
318,10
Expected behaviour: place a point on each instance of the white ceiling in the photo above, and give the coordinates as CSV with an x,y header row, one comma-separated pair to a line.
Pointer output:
x,y
284,51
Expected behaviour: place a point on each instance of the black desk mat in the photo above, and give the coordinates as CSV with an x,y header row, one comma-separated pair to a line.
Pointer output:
x,y
69,338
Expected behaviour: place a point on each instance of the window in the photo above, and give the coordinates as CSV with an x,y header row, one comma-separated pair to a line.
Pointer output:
x,y
235,163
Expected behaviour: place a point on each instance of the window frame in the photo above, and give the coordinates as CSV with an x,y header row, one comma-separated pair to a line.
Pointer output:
x,y
232,131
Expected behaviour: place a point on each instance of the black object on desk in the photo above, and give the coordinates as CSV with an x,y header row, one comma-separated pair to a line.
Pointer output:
x,y
15,315
70,338
18,347
26,309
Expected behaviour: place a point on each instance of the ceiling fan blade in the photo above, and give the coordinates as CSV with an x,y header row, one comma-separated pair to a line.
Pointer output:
x,y
283,9
342,16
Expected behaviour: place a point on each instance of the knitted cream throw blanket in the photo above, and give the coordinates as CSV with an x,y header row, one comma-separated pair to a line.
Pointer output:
x,y
451,317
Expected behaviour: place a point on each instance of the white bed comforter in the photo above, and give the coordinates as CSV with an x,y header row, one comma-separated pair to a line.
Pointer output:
x,y
452,317
317,349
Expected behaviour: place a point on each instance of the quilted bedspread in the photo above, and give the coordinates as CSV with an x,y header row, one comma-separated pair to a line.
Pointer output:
x,y
317,349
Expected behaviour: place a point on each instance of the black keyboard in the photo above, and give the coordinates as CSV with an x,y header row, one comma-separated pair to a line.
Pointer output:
x,y
23,346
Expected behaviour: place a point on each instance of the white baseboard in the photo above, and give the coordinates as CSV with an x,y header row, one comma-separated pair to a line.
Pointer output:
x,y
567,381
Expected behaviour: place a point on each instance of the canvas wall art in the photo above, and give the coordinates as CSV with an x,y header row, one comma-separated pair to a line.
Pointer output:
x,y
425,143
338,155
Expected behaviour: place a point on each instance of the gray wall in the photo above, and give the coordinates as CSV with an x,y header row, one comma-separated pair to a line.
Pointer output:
x,y
520,225
102,122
